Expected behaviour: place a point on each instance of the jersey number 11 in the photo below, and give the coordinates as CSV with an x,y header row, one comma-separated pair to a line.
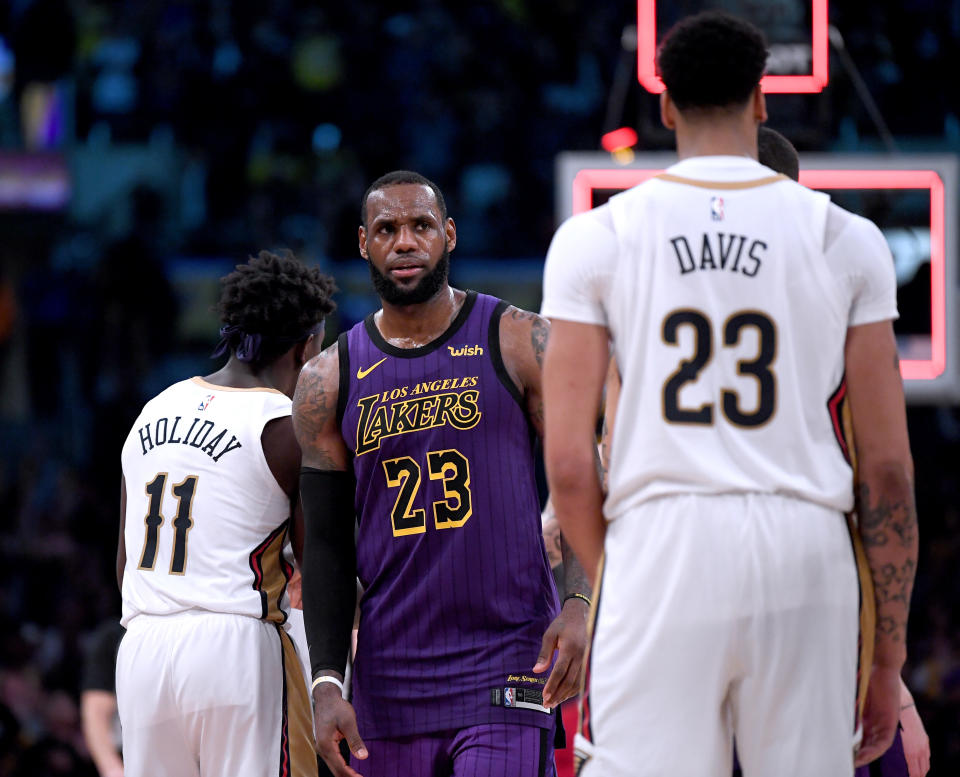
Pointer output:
x,y
182,523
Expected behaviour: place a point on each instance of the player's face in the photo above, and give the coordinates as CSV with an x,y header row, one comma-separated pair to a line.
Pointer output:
x,y
406,243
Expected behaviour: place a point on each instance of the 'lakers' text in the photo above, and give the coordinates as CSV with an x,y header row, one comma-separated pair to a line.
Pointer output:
x,y
719,251
163,431
406,409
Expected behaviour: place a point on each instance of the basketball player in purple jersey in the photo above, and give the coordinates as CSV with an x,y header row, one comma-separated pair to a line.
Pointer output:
x,y
420,423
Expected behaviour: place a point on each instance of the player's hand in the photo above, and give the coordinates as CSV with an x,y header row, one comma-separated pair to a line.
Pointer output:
x,y
333,720
916,743
567,635
880,713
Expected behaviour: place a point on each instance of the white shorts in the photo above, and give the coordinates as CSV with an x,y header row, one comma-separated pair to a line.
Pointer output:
x,y
722,616
212,694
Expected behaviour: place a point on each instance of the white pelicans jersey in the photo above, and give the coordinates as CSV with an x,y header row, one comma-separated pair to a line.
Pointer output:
x,y
206,521
727,291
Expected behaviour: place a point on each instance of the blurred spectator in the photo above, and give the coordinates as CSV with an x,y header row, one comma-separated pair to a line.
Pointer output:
x,y
98,699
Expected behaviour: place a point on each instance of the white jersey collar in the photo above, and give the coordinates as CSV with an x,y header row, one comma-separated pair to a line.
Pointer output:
x,y
720,168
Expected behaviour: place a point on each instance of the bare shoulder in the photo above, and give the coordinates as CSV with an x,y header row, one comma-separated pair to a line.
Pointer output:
x,y
282,452
523,339
315,405
327,362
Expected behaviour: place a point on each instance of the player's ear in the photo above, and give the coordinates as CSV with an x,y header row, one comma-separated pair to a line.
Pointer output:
x,y
450,229
300,352
362,238
668,111
311,347
759,105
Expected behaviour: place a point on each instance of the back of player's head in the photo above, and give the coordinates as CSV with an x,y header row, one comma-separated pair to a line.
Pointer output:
x,y
711,60
270,303
396,178
777,153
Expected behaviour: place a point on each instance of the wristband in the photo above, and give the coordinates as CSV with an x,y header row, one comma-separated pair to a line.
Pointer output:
x,y
578,596
327,678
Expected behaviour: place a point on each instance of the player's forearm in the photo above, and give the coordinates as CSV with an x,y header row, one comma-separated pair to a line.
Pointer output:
x,y
575,580
578,502
97,711
888,525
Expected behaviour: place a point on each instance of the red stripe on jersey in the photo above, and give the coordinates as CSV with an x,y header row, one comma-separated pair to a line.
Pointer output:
x,y
256,558
835,407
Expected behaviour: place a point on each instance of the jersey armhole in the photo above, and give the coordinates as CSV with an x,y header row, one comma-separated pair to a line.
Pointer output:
x,y
343,352
496,356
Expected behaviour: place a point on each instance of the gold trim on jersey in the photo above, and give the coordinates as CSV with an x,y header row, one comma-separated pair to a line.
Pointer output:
x,y
214,387
299,724
271,573
723,185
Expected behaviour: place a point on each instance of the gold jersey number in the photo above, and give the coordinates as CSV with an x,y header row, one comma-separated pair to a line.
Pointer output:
x,y
449,466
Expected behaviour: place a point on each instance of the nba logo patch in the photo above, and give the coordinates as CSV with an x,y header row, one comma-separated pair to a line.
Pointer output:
x,y
206,402
509,697
716,208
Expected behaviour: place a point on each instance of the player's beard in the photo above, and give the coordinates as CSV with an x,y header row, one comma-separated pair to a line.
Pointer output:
x,y
428,286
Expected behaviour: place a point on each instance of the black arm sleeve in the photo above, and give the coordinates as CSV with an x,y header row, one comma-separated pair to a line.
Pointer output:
x,y
329,566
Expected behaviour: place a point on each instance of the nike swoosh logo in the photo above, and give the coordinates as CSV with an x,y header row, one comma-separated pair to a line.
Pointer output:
x,y
361,374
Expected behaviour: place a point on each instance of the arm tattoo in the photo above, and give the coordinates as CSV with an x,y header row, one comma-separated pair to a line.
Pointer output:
x,y
312,407
888,527
528,375
539,332
574,577
883,520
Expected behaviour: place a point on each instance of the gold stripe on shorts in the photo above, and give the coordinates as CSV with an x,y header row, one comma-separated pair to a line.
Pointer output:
x,y
868,614
303,753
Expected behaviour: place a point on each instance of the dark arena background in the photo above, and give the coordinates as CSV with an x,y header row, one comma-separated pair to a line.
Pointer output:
x,y
147,146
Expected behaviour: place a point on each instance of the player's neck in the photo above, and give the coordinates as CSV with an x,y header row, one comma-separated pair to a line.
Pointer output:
x,y
716,138
238,374
411,326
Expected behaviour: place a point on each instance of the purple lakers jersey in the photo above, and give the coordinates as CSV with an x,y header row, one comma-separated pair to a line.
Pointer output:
x,y
457,586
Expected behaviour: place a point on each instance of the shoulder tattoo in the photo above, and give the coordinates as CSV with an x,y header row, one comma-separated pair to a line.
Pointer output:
x,y
313,404
539,331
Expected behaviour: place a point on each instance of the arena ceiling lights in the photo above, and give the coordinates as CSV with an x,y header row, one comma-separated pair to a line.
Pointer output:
x,y
772,84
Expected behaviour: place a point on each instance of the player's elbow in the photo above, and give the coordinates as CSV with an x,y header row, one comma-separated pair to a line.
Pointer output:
x,y
569,468
891,476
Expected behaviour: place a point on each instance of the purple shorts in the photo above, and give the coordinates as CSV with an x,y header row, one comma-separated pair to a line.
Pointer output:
x,y
489,750
892,763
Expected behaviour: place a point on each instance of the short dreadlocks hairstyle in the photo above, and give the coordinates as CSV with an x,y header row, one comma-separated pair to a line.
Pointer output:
x,y
396,178
277,296
712,60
